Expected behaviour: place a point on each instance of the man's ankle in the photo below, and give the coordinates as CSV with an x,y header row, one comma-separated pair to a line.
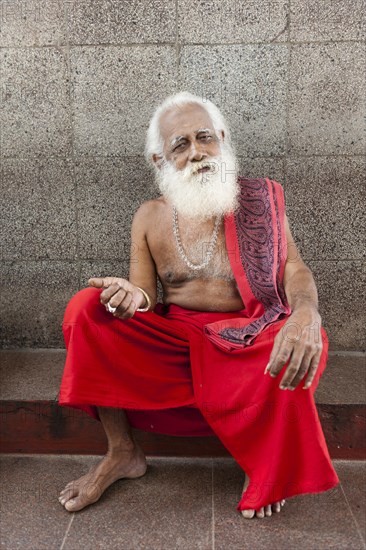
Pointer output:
x,y
123,447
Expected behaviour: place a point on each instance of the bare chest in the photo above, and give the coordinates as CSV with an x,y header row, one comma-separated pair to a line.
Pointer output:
x,y
195,240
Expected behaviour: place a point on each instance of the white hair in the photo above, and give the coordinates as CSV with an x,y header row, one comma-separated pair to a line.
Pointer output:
x,y
154,140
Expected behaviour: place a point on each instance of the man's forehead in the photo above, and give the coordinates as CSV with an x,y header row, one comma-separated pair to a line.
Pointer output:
x,y
178,121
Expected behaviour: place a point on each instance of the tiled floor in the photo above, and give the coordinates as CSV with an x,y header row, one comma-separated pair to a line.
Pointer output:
x,y
180,503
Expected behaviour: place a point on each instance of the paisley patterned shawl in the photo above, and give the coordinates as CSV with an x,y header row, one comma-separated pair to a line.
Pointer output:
x,y
256,243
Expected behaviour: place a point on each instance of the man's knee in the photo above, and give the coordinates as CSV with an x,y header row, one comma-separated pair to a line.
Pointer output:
x,y
85,301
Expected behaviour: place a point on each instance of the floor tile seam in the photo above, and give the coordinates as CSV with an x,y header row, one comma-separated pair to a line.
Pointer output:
x,y
67,531
353,517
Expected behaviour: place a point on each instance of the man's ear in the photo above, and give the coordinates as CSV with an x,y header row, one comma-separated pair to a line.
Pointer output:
x,y
222,133
157,160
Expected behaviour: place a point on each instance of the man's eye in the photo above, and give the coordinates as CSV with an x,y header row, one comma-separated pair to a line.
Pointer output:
x,y
179,146
206,138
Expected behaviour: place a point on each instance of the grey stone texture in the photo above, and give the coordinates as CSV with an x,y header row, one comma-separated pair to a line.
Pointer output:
x,y
33,298
79,80
341,288
180,503
343,380
109,191
327,20
326,99
113,92
32,23
31,374
38,205
272,167
325,199
248,82
121,21
35,118
215,21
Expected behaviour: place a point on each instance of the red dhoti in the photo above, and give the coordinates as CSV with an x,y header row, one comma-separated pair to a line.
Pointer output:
x,y
161,367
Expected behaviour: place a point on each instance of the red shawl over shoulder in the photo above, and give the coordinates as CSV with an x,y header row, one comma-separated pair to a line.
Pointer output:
x,y
257,248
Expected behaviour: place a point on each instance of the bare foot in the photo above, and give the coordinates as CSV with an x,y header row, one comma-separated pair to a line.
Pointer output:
x,y
90,487
265,510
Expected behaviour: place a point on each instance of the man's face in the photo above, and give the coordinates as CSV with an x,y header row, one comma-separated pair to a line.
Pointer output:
x,y
197,172
188,135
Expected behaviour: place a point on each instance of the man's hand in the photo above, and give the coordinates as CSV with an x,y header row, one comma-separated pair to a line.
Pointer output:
x,y
120,294
300,341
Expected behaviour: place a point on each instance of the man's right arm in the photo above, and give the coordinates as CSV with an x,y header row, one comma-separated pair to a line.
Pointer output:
x,y
142,266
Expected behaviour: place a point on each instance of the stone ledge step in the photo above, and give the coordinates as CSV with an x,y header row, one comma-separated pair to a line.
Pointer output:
x,y
33,422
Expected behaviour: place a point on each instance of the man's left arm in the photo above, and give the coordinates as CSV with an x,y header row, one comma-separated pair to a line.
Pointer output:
x,y
299,340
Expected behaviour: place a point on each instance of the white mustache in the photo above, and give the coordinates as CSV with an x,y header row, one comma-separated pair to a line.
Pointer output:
x,y
192,169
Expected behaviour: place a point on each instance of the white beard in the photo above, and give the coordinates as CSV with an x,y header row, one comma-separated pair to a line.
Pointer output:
x,y
202,195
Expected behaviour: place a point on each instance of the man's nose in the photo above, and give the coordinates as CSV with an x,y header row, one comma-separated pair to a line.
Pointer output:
x,y
196,153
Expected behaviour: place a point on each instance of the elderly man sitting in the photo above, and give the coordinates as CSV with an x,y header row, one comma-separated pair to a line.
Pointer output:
x,y
239,308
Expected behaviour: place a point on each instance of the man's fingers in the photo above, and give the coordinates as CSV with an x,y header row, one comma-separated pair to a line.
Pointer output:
x,y
124,301
276,347
279,341
305,363
130,310
104,282
294,368
124,304
283,355
109,293
96,281
113,295
101,282
312,370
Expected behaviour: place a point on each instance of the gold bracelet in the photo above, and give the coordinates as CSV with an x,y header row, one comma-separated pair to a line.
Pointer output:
x,y
148,301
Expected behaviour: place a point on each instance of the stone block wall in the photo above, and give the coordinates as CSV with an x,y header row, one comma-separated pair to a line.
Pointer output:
x,y
79,80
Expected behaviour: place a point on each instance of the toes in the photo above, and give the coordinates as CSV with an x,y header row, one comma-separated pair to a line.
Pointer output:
x,y
74,505
66,495
78,503
68,487
248,513
87,494
264,511
260,513
278,505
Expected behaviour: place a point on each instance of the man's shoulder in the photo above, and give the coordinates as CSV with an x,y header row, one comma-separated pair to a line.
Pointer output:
x,y
148,210
150,206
